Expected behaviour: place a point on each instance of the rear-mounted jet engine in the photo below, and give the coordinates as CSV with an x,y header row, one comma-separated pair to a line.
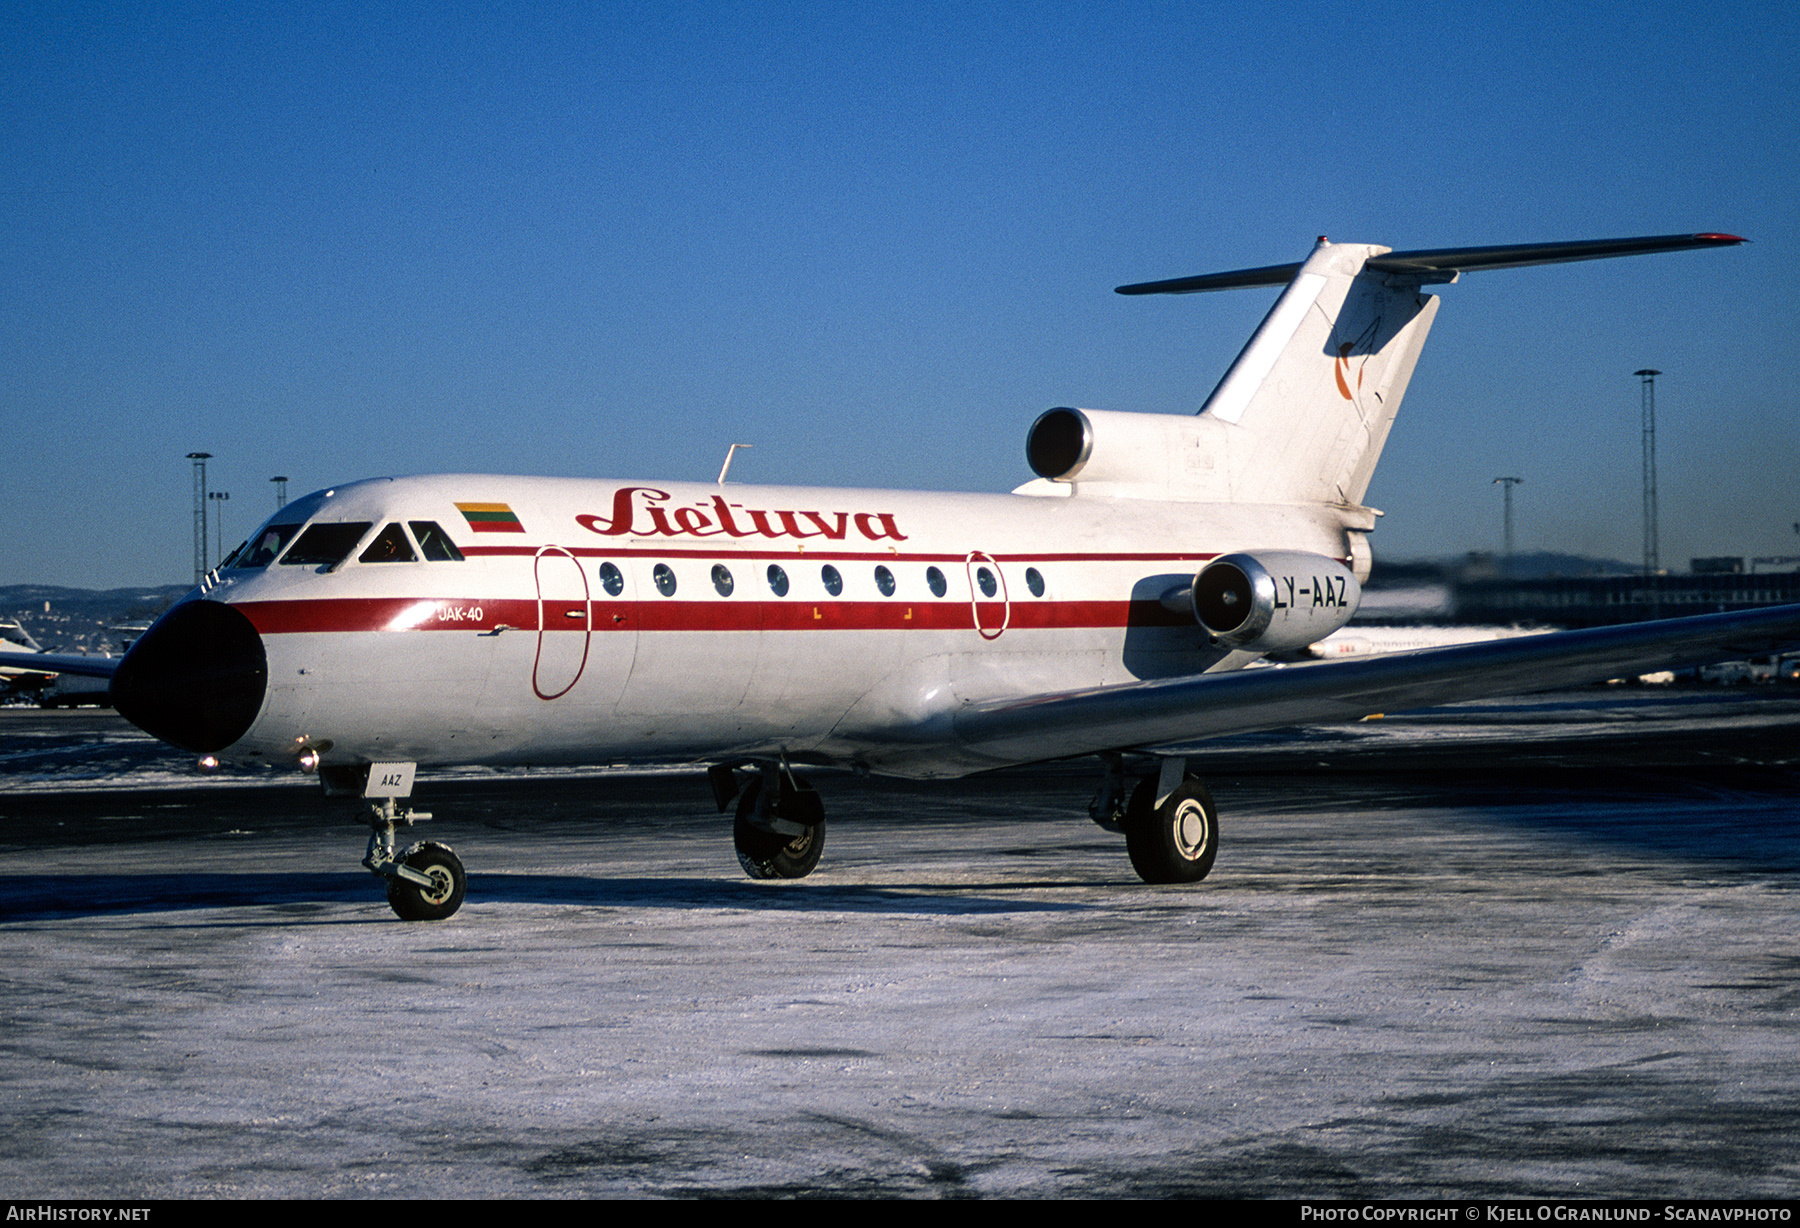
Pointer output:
x,y
1275,600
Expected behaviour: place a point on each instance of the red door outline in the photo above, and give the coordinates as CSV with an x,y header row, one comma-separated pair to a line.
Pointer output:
x,y
976,601
587,621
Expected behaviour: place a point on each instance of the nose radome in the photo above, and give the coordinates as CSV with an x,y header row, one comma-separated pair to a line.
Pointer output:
x,y
196,679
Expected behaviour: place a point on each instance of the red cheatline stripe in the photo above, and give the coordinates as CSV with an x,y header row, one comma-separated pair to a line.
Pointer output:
x,y
473,615
795,558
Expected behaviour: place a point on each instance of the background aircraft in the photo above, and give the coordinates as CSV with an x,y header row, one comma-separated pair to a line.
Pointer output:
x,y
17,672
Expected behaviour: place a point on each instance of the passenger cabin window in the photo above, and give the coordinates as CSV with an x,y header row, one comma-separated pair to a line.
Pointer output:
x,y
390,546
935,580
833,582
434,543
611,578
261,550
325,545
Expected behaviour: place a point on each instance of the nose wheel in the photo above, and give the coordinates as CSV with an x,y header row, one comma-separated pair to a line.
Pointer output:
x,y
440,896
425,882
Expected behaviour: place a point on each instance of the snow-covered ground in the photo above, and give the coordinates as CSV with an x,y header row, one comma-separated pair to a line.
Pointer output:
x,y
1535,976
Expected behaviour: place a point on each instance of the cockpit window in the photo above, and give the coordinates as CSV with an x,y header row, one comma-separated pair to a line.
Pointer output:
x,y
390,546
325,545
261,550
434,543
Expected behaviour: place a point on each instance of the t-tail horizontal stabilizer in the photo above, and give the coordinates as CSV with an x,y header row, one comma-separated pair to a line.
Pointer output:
x,y
1303,413
1434,263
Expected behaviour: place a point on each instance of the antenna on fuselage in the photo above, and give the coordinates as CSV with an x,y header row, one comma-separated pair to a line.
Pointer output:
x,y
729,453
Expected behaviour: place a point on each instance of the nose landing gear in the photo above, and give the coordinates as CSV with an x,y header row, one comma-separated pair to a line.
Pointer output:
x,y
426,881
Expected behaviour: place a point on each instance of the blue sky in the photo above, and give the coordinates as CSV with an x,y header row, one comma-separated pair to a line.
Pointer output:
x,y
874,240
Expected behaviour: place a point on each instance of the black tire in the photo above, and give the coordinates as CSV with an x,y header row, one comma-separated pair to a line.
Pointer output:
x,y
765,854
1177,841
415,903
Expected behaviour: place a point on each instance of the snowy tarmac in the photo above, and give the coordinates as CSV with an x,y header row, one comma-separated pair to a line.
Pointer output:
x,y
1539,948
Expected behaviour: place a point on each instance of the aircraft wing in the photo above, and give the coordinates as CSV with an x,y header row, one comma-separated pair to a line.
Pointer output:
x,y
63,663
1173,710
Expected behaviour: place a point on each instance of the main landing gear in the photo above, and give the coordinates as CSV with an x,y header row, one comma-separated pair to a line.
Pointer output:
x,y
425,881
780,826
1170,825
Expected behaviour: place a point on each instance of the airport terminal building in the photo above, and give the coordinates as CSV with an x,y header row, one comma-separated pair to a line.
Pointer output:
x,y
1480,592
1598,601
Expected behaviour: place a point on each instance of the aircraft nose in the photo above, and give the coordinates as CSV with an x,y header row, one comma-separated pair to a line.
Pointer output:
x,y
195,679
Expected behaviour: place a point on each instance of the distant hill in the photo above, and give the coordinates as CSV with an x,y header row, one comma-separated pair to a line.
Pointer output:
x,y
79,619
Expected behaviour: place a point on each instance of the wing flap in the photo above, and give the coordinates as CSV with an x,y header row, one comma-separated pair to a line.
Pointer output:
x,y
1210,705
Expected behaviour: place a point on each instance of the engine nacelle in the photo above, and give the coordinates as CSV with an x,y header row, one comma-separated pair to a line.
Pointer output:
x,y
1273,600
1105,447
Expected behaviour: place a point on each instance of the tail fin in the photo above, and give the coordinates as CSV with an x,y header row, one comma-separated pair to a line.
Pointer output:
x,y
1319,384
1303,413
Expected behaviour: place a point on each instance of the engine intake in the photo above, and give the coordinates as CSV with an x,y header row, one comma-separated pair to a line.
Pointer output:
x,y
1106,448
1273,601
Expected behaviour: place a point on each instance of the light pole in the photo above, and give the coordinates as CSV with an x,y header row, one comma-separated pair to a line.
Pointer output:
x,y
281,482
218,498
1506,488
1647,394
200,552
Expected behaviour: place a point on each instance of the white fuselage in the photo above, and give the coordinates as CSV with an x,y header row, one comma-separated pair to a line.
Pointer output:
x,y
518,653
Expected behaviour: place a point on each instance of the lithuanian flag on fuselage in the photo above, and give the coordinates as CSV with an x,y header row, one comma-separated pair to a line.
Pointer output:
x,y
490,518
